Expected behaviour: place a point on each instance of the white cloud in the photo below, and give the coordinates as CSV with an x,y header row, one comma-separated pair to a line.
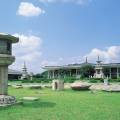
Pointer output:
x,y
30,57
28,10
80,2
109,54
28,49
61,61
49,63
47,1
27,43
57,62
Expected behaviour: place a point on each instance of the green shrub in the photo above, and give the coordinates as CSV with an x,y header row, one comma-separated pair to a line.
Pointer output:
x,y
93,81
96,80
69,79
114,80
35,80
27,81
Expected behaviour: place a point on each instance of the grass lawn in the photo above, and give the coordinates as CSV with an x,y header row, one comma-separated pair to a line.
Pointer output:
x,y
64,105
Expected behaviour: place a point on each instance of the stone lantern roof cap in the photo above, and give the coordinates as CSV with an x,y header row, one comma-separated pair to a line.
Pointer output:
x,y
9,37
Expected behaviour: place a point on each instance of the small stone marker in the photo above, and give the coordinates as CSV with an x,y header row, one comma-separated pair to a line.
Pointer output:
x,y
57,85
30,98
106,81
17,86
35,87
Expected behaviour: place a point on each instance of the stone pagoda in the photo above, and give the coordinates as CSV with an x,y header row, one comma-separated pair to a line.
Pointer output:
x,y
99,69
24,72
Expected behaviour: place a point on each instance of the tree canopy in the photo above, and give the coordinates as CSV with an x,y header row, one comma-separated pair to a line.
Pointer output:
x,y
87,70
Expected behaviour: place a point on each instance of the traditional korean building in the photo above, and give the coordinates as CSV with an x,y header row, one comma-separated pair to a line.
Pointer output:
x,y
14,74
73,70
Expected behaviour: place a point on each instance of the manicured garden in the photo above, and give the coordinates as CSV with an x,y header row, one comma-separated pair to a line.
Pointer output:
x,y
63,105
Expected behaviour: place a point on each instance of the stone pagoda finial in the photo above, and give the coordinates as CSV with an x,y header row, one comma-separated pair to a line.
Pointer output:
x,y
99,61
24,67
98,58
86,61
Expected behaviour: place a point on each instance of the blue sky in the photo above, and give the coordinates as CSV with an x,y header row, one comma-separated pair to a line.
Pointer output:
x,y
56,32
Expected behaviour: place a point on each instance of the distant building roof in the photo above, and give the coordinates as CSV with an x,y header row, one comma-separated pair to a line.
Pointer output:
x,y
76,65
14,72
69,66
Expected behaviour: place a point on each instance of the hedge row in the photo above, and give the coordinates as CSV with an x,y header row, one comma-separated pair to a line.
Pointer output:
x,y
67,80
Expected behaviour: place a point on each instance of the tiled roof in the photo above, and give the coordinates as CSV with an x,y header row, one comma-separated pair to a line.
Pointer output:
x,y
14,72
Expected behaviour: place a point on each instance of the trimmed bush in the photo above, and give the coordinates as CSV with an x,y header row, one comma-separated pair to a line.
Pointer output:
x,y
40,80
96,80
114,80
69,79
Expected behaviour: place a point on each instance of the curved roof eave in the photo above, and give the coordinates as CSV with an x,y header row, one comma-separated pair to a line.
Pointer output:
x,y
9,38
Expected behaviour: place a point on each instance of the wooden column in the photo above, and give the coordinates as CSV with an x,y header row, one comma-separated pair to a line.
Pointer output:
x,y
76,73
117,72
48,74
53,74
70,73
110,72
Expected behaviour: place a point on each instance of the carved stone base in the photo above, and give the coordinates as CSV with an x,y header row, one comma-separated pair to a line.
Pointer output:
x,y
6,100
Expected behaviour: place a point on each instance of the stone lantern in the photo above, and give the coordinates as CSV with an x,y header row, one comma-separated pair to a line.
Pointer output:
x,y
6,59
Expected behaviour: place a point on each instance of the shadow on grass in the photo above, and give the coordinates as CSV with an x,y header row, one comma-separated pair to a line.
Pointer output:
x,y
28,104
38,104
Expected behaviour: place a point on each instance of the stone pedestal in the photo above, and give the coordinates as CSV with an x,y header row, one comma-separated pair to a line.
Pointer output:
x,y
5,99
3,80
57,85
